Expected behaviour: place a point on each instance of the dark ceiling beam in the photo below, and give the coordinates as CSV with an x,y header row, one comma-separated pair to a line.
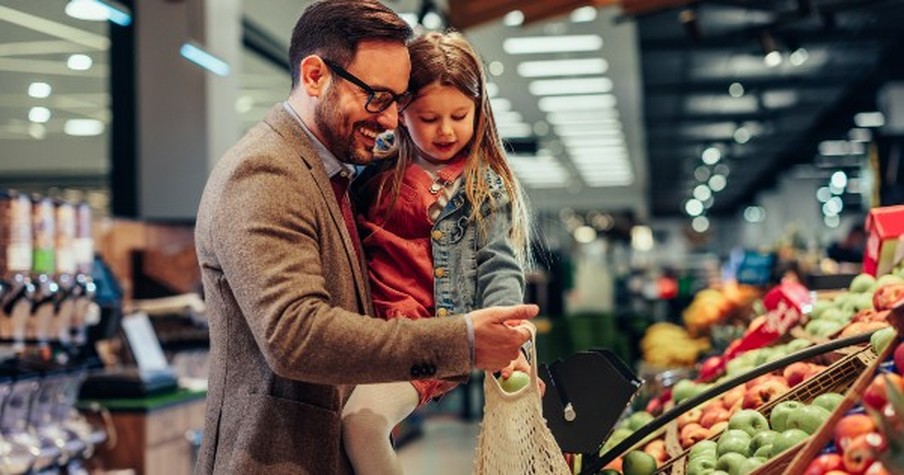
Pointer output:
x,y
264,44
673,122
736,42
752,85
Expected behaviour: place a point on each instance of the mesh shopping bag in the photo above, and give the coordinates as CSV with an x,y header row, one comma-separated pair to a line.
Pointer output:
x,y
514,438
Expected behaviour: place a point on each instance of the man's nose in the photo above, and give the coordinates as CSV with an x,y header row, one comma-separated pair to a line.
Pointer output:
x,y
389,118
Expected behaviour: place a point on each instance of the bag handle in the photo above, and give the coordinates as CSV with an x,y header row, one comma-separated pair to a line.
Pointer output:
x,y
534,372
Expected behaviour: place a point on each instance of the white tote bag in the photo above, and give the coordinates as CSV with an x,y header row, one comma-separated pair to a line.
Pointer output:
x,y
514,438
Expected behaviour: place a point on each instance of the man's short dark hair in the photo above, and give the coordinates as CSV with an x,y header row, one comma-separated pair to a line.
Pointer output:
x,y
333,29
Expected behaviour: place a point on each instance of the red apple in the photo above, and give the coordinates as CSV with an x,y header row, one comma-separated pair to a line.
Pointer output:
x,y
656,449
733,396
875,396
762,379
691,434
763,393
859,455
899,358
825,463
850,427
692,415
714,416
712,404
794,373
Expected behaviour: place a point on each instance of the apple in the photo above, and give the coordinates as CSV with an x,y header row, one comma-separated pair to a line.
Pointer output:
x,y
875,395
797,344
881,338
795,373
610,471
733,396
749,421
731,462
762,379
656,449
863,283
702,448
690,416
763,393
899,358
787,439
888,279
828,401
691,434
637,462
733,440
639,419
819,307
764,452
714,416
824,463
515,381
807,419
684,389
779,414
716,429
859,455
719,472
701,466
852,426
762,439
750,465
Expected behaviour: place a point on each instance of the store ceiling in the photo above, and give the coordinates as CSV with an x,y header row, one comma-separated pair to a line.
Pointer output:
x,y
670,80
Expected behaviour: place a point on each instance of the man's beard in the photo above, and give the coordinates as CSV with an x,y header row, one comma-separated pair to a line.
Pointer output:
x,y
331,124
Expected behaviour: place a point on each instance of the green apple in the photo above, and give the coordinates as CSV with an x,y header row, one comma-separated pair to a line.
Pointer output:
x,y
862,283
797,344
639,419
515,381
718,472
881,338
828,401
701,466
819,307
779,414
733,440
749,421
787,439
750,465
888,279
638,462
764,452
762,439
702,448
807,419
610,471
863,301
684,389
835,314
731,463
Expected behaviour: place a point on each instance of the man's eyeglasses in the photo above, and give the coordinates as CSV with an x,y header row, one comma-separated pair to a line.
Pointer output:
x,y
378,100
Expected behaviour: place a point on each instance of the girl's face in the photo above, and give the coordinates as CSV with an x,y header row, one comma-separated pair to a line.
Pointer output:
x,y
440,121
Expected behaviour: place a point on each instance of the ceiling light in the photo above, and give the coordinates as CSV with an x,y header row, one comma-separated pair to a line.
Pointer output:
x,y
79,62
772,59
711,155
702,192
602,116
799,56
198,55
39,114
553,87
754,214
700,224
860,135
717,182
500,104
514,130
563,67
869,119
88,10
492,89
410,18
507,117
592,141
37,131
602,127
573,131
513,18
642,238
83,127
693,207
722,169
432,21
741,135
832,221
244,104
541,128
496,68
595,101
771,55
585,234
39,90
823,194
736,89
839,180
701,173
583,14
552,44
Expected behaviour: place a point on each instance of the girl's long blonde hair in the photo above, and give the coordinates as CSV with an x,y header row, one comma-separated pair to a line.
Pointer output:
x,y
448,59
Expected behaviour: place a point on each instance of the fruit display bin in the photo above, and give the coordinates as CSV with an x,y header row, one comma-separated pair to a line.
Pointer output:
x,y
839,377
814,445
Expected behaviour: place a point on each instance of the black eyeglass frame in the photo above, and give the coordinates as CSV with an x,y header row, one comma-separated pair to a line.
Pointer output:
x,y
401,100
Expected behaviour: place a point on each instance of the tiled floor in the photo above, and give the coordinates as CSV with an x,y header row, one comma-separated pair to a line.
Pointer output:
x,y
446,447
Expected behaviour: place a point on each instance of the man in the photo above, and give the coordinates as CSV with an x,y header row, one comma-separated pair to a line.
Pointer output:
x,y
286,293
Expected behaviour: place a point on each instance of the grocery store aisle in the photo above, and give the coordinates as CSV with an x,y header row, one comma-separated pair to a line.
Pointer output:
x,y
446,447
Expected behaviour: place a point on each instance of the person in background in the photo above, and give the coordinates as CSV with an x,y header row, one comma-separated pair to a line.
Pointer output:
x,y
444,228
286,292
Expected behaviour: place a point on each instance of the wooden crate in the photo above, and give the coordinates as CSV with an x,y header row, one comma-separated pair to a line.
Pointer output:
x,y
838,377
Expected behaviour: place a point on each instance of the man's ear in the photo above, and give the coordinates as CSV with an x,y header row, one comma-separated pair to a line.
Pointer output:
x,y
313,75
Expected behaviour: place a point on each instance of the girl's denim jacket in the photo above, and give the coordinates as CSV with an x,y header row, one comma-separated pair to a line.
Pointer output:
x,y
479,268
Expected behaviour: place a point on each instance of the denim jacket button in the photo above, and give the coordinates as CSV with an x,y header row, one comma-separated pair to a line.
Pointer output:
x,y
439,272
442,312
436,235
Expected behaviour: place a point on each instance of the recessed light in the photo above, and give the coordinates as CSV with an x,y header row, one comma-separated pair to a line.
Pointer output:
x,y
39,114
79,62
513,18
869,119
39,90
83,127
552,44
583,14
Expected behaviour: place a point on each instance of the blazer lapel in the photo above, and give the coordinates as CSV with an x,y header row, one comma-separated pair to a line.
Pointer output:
x,y
290,130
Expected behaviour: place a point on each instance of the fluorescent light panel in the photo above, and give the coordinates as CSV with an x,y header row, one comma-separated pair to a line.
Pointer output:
x,y
584,102
555,87
514,130
500,104
563,67
508,117
199,56
83,127
552,44
580,117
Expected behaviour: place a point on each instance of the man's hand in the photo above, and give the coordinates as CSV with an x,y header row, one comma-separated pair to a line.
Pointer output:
x,y
496,342
522,365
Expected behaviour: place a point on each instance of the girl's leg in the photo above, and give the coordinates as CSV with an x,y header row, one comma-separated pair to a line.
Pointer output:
x,y
367,420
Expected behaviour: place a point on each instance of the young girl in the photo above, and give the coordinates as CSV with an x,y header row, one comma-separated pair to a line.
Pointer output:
x,y
444,228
